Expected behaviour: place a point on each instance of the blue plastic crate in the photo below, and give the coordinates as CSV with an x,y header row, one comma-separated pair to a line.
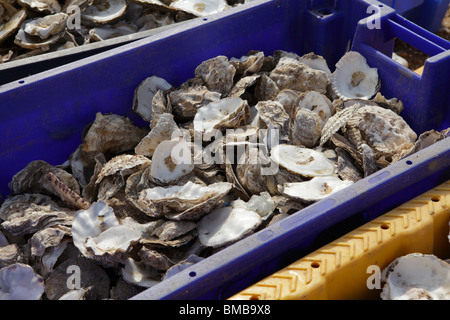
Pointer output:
x,y
42,117
426,13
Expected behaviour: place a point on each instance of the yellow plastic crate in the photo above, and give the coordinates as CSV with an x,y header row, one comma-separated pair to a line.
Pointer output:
x,y
347,267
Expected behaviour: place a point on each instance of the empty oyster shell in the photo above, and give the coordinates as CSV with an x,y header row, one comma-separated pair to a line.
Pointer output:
x,y
144,93
98,235
187,202
288,98
121,163
200,8
292,74
383,130
224,114
19,282
109,134
416,277
139,273
8,28
316,62
162,131
217,73
47,26
337,121
26,41
317,103
172,160
186,100
104,11
223,226
273,116
27,213
303,161
46,246
306,128
45,6
353,78
9,254
249,64
316,189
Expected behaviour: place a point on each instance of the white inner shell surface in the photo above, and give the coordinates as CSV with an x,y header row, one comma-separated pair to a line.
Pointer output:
x,y
303,161
46,26
316,189
227,224
19,282
171,160
354,78
189,191
200,8
145,93
98,228
317,103
105,13
210,116
417,271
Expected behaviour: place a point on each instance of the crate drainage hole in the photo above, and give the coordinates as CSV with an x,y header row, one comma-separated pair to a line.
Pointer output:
x,y
21,81
192,274
315,265
384,227
436,199
409,162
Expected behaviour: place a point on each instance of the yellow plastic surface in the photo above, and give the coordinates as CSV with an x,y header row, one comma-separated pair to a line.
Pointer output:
x,y
342,269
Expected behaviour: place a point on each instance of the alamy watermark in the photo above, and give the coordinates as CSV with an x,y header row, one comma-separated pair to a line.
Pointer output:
x,y
374,21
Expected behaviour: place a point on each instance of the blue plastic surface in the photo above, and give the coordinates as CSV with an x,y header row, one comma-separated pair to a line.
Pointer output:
x,y
42,117
426,13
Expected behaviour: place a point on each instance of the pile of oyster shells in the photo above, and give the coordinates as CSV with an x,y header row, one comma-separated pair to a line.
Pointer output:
x,y
31,27
244,143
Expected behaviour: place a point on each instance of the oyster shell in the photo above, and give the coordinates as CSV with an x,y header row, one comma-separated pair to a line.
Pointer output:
x,y
109,134
27,213
139,273
162,131
47,26
416,277
288,98
316,189
98,234
46,247
7,29
217,74
104,11
317,103
303,161
223,226
45,6
248,64
200,8
316,62
306,128
144,93
19,282
224,114
172,160
292,74
189,201
9,254
353,78
187,99
383,130
272,115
